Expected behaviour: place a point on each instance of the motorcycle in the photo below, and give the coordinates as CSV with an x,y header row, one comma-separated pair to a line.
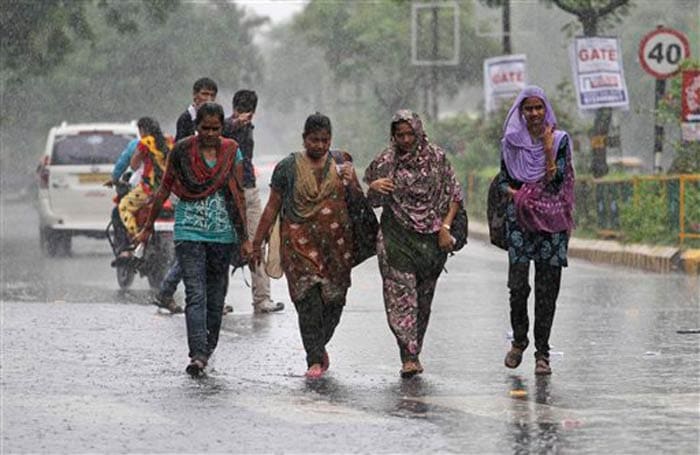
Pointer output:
x,y
151,260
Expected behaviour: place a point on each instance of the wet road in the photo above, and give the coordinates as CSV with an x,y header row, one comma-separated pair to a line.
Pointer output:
x,y
86,368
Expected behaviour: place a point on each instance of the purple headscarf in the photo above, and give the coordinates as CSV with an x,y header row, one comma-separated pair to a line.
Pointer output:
x,y
525,161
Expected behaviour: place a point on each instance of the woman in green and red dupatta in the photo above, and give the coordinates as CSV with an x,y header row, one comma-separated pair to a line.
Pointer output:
x,y
308,193
205,172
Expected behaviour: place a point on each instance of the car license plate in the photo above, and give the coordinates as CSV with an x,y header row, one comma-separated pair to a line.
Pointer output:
x,y
94,178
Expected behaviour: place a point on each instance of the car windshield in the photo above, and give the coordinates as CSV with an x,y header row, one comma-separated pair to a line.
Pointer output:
x,y
95,147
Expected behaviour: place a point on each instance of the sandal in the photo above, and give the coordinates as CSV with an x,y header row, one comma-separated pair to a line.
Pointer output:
x,y
420,367
315,371
410,368
513,357
196,368
542,367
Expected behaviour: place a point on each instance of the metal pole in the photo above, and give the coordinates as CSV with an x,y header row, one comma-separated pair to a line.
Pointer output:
x,y
506,27
681,210
658,126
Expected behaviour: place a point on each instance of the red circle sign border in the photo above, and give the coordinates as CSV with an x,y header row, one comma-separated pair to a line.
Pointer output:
x,y
650,35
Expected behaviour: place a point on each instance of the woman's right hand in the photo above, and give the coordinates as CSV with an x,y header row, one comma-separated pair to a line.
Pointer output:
x,y
384,185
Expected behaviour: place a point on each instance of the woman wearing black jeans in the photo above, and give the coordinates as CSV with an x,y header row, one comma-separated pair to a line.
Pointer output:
x,y
205,172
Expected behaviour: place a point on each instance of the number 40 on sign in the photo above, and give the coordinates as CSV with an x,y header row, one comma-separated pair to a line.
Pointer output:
x,y
661,52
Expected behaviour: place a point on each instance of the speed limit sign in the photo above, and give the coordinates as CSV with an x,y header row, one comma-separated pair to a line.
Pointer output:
x,y
661,52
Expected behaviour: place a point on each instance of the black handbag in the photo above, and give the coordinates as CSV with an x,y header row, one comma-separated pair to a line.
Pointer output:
x,y
362,219
459,229
496,204
364,225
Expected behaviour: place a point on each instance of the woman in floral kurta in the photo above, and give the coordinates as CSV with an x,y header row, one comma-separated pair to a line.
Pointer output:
x,y
413,181
308,193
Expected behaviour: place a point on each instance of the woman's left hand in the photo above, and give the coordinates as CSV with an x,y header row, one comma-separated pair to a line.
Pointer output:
x,y
445,241
247,252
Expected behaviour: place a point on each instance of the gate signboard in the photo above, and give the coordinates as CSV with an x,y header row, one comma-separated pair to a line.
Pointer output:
x,y
598,75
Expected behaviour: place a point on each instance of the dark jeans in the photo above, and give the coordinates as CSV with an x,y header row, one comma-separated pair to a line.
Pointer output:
x,y
317,322
547,282
171,280
205,274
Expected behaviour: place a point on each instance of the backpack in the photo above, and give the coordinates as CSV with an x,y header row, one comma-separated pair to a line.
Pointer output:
x,y
496,204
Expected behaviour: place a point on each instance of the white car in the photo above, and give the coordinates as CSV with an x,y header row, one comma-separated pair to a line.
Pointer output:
x,y
72,198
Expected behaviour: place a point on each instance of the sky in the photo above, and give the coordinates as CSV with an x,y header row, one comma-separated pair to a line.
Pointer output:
x,y
276,10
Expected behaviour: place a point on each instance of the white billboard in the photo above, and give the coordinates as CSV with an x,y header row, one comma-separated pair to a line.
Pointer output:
x,y
598,75
504,78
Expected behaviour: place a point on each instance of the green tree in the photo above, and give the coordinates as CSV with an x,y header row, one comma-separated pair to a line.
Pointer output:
x,y
39,34
368,44
122,76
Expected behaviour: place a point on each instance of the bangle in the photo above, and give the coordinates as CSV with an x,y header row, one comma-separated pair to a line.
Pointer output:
x,y
446,226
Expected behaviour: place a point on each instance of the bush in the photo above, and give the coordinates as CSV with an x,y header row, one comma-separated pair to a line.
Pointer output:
x,y
650,216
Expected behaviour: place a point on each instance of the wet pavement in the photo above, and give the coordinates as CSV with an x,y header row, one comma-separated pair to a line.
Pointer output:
x,y
87,368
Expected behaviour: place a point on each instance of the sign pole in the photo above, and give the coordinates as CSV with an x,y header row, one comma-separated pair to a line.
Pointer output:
x,y
660,54
658,126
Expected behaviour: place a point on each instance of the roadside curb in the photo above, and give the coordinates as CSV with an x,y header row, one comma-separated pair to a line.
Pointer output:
x,y
691,262
660,259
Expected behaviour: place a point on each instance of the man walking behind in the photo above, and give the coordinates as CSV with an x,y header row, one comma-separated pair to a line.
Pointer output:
x,y
239,127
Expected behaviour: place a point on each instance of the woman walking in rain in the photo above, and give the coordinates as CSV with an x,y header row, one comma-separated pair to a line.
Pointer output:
x,y
308,192
414,183
538,175
205,172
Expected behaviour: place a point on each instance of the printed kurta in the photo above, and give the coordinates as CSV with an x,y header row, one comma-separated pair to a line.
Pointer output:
x,y
410,260
315,230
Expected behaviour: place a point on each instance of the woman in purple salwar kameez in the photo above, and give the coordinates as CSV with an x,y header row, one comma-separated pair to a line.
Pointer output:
x,y
537,171
413,181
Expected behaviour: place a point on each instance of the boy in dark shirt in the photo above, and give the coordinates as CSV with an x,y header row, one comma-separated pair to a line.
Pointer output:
x,y
239,127
203,91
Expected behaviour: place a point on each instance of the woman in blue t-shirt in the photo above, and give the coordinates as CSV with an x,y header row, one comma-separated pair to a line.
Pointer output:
x,y
205,172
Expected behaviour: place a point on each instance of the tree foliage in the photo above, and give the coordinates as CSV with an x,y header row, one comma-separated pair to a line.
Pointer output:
x,y
38,35
368,43
121,76
594,16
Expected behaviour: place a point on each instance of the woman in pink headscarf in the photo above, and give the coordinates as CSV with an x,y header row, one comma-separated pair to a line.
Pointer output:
x,y
537,171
